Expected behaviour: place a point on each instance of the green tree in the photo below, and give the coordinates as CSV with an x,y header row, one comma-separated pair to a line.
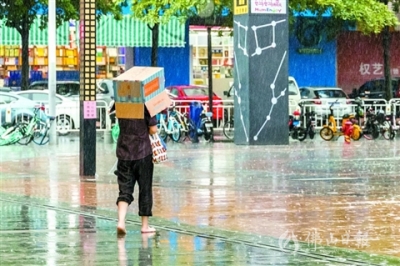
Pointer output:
x,y
20,14
156,13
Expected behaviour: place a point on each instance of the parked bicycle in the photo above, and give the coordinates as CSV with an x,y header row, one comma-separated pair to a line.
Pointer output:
x,y
183,120
349,128
24,132
168,126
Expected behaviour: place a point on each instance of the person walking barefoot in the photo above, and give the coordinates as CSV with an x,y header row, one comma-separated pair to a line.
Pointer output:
x,y
135,165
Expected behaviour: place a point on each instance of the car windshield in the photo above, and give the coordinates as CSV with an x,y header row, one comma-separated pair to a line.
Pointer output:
x,y
330,94
196,91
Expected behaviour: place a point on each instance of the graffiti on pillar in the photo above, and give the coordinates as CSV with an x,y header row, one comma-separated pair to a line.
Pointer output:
x,y
277,93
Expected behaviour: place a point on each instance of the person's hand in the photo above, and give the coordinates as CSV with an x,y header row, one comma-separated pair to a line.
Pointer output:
x,y
152,130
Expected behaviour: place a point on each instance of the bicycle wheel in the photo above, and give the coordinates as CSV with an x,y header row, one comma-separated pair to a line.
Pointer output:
x,y
207,133
176,131
26,136
115,133
41,134
389,133
326,133
301,133
375,131
161,132
229,130
311,133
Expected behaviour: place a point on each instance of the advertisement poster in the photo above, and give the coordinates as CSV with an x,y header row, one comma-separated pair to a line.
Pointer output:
x,y
268,6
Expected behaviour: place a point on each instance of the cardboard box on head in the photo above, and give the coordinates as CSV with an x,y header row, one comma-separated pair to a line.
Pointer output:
x,y
139,87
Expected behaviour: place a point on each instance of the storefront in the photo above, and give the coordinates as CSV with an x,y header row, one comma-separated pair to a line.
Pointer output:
x,y
115,39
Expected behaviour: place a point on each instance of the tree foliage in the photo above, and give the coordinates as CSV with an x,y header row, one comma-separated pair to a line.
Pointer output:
x,y
371,16
20,14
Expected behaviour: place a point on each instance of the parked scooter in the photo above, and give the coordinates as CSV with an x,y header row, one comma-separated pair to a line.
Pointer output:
x,y
200,123
310,124
296,131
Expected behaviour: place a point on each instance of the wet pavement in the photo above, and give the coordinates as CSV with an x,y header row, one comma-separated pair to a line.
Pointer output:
x,y
307,203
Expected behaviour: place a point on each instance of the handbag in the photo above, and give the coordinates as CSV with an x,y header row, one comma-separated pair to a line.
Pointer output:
x,y
159,148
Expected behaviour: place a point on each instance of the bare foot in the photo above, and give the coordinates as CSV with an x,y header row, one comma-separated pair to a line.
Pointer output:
x,y
121,231
148,230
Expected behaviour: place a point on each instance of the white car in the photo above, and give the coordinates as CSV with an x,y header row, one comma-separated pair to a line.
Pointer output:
x,y
67,110
294,95
321,98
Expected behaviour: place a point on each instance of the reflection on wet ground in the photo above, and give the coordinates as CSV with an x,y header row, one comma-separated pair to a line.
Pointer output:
x,y
315,203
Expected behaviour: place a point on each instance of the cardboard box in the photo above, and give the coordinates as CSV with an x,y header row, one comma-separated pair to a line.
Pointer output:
x,y
139,87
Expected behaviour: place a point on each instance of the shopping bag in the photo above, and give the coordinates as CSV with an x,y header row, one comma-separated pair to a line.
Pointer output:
x,y
159,149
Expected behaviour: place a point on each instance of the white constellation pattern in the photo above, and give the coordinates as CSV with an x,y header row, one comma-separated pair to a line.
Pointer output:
x,y
258,51
240,28
273,43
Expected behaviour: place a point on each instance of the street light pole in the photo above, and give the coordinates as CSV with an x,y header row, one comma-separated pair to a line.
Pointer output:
x,y
210,78
207,12
51,74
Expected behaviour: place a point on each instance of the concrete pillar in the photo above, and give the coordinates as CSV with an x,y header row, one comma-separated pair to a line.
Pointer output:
x,y
261,43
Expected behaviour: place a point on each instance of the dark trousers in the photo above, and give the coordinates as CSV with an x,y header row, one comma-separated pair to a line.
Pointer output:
x,y
140,171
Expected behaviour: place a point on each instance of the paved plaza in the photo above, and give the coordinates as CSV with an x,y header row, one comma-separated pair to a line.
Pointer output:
x,y
307,203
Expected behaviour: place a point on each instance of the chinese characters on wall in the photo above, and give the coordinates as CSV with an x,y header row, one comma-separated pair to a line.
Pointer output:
x,y
376,69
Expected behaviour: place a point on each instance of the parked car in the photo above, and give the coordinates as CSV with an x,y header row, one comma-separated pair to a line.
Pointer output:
x,y
320,99
14,107
71,89
67,110
294,95
375,89
63,88
185,94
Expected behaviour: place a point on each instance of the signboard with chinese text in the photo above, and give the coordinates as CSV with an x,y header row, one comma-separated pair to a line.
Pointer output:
x,y
268,6
89,109
360,59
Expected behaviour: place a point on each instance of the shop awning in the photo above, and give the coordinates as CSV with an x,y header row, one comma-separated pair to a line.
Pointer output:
x,y
128,32
10,36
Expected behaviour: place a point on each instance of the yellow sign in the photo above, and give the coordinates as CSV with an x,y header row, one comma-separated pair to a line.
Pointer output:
x,y
240,7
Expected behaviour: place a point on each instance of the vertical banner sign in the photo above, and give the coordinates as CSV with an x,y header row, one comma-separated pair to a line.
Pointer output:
x,y
87,93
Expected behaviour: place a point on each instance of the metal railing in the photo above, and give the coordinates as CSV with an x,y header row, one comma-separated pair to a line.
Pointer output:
x,y
224,110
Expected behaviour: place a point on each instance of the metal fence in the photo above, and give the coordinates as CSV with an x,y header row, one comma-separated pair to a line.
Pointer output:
x,y
225,110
